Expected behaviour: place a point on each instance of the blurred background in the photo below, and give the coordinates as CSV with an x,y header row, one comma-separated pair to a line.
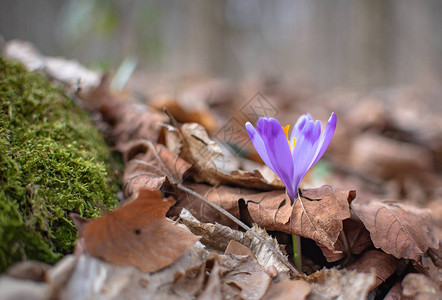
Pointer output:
x,y
377,64
363,44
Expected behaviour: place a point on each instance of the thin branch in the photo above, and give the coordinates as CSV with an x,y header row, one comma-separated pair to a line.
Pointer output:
x,y
140,162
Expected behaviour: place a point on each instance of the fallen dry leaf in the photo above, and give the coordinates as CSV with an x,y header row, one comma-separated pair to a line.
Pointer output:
x,y
218,237
354,239
431,269
30,270
420,287
241,277
382,264
339,284
224,196
14,289
237,248
193,144
143,170
213,291
121,118
436,254
398,229
388,158
319,219
91,278
318,216
186,112
138,234
288,290
395,293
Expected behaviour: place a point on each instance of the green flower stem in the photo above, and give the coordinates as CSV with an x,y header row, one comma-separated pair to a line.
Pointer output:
x,y
297,251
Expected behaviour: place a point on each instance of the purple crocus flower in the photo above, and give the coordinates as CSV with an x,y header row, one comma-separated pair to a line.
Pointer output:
x,y
291,158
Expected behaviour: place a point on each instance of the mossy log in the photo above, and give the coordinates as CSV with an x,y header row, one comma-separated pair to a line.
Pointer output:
x,y
53,161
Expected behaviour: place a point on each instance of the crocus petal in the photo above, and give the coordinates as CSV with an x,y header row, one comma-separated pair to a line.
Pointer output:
x,y
305,150
278,150
302,120
259,145
326,137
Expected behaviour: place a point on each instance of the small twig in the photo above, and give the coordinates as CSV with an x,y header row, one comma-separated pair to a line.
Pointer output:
x,y
165,169
166,172
137,161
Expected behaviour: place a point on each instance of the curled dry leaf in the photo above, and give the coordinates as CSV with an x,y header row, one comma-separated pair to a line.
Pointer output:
x,y
240,277
138,234
133,122
236,248
339,284
398,229
354,239
436,255
14,288
91,278
431,269
289,290
29,269
395,293
318,215
144,170
420,287
193,144
218,237
186,111
122,119
382,264
388,158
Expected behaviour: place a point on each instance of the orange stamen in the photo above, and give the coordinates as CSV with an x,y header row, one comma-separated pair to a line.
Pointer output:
x,y
286,130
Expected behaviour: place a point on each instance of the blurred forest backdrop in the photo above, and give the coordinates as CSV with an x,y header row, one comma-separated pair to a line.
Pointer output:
x,y
362,44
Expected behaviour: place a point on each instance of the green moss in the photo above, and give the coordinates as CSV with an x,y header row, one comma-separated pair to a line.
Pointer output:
x,y
53,161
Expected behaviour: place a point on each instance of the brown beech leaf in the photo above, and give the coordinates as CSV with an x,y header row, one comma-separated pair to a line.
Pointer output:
x,y
289,290
388,158
431,269
420,287
339,284
237,248
318,216
138,234
354,239
193,144
124,120
238,277
395,293
398,229
186,112
218,237
224,196
383,265
90,278
142,166
436,255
